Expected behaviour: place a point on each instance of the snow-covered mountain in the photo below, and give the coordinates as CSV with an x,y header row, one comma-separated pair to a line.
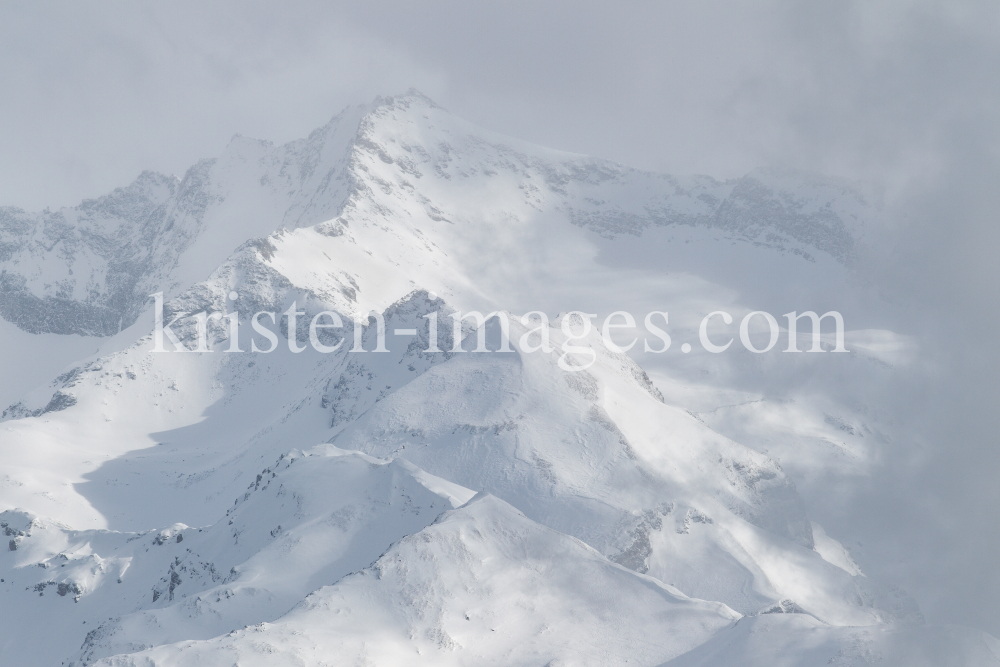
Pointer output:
x,y
90,269
450,507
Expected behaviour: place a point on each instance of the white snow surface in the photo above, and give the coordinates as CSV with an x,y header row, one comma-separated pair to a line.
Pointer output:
x,y
464,508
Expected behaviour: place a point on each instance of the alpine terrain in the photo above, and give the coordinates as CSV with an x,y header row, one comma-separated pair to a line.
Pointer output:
x,y
183,482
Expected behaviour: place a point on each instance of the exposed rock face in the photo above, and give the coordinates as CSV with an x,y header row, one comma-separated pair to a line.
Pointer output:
x,y
84,270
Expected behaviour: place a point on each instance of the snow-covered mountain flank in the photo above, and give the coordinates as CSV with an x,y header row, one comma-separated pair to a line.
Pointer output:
x,y
400,498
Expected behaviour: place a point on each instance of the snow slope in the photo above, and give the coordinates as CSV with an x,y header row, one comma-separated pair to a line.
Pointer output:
x,y
795,640
481,586
606,498
306,520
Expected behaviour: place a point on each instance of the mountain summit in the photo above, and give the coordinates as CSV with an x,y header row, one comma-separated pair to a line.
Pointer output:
x,y
90,269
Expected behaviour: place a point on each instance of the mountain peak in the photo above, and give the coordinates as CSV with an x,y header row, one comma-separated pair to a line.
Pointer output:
x,y
412,97
401,158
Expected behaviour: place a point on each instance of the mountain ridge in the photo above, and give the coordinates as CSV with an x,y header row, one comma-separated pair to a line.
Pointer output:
x,y
607,465
311,180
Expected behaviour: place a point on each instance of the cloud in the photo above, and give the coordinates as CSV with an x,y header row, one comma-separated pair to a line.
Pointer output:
x,y
902,96
98,91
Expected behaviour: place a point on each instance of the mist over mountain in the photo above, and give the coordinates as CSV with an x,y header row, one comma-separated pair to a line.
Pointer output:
x,y
432,504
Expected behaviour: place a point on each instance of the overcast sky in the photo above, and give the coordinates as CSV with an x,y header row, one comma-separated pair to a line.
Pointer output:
x,y
903,97
93,93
